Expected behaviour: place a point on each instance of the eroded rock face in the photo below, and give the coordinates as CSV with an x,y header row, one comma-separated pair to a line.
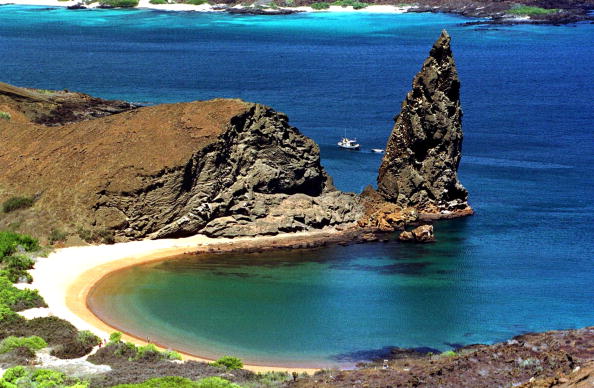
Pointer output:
x,y
419,167
422,234
221,167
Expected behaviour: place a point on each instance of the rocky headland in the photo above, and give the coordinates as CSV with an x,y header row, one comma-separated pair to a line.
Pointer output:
x,y
222,168
418,179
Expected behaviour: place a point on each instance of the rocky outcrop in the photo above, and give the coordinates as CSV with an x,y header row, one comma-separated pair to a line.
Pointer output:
x,y
220,167
56,107
422,234
419,167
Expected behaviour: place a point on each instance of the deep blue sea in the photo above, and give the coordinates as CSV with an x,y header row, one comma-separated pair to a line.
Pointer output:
x,y
524,262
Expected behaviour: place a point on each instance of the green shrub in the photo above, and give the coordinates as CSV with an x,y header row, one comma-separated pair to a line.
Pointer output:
x,y
229,362
114,337
87,338
215,382
350,3
158,2
271,379
449,353
19,262
524,10
56,235
20,376
6,313
289,3
147,351
17,299
93,236
171,355
16,203
321,5
32,343
197,2
162,382
119,3
15,275
5,116
10,243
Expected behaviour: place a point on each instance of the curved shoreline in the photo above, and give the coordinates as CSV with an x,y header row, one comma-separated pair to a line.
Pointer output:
x,y
66,277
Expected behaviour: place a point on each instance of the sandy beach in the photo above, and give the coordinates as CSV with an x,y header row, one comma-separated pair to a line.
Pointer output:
x,y
145,4
67,275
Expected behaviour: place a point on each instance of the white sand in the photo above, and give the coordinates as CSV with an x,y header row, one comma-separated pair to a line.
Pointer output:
x,y
40,312
209,8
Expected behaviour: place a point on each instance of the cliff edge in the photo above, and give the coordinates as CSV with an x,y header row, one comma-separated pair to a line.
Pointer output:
x,y
222,168
419,167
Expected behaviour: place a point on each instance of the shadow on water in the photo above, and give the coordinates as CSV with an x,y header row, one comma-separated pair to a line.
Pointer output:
x,y
387,352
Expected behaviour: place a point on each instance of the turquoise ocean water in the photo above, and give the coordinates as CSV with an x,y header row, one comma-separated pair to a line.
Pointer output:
x,y
523,263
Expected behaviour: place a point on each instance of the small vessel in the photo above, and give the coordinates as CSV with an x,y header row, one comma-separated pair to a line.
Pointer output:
x,y
350,144
377,150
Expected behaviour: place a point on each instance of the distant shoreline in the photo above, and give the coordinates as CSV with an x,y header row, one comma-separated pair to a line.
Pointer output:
x,y
496,12
145,4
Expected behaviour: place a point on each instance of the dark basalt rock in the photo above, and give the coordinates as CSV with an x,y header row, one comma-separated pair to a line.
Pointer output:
x,y
77,6
423,152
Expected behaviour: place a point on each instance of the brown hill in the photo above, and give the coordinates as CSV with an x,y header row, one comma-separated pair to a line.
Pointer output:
x,y
220,167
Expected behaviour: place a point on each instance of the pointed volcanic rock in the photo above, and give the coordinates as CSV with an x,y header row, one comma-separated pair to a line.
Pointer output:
x,y
419,167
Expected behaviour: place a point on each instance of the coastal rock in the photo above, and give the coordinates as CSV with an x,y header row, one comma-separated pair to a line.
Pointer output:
x,y
56,107
419,167
222,167
422,234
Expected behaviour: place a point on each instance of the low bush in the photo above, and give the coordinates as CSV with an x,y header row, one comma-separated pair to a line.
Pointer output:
x,y
127,350
215,382
5,116
6,313
119,3
158,2
449,353
229,362
270,379
321,5
147,352
19,262
197,2
116,336
350,3
11,242
56,235
181,382
96,236
32,343
20,376
523,10
171,355
87,338
17,299
16,203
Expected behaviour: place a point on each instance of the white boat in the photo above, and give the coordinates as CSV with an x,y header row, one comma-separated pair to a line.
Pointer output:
x,y
377,150
350,144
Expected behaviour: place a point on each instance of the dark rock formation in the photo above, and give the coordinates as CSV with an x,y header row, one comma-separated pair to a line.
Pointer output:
x,y
55,107
220,167
422,156
422,234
